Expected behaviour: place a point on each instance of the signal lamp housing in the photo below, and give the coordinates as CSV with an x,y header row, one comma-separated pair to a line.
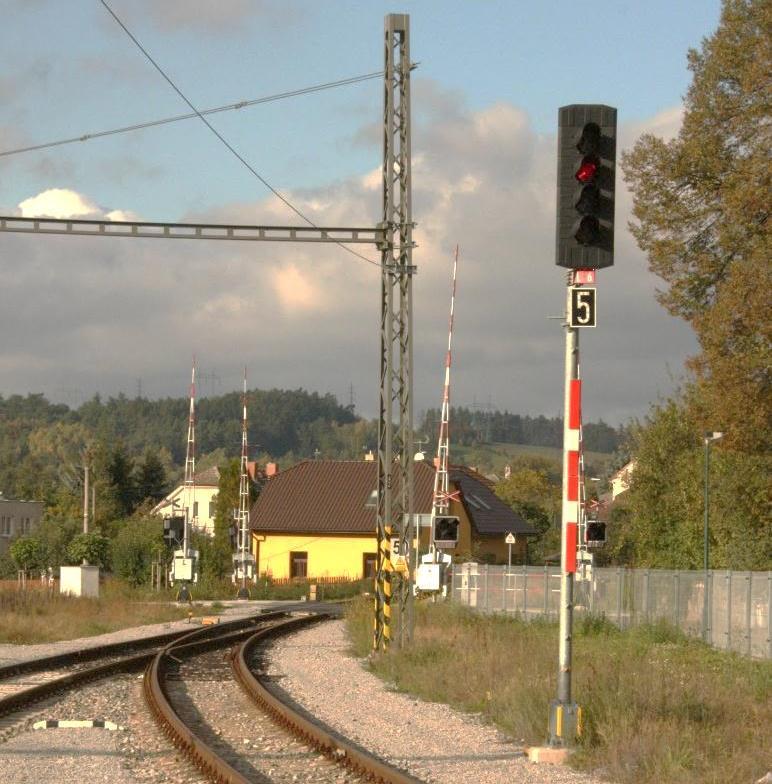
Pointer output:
x,y
586,183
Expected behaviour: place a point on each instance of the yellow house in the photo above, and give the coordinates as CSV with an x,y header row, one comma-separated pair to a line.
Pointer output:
x,y
317,519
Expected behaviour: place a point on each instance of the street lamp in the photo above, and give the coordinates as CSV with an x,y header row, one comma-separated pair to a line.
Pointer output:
x,y
708,438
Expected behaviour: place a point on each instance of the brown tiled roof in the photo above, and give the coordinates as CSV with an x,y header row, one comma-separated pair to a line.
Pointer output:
x,y
488,513
329,496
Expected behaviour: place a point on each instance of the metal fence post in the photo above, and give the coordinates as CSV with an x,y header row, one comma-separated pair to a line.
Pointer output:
x,y
525,591
748,601
485,586
729,609
769,615
546,592
619,597
646,598
677,602
709,613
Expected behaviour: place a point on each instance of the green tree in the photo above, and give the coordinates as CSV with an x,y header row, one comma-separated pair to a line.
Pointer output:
x,y
701,205
138,543
91,548
120,475
55,534
27,553
663,513
219,552
531,493
151,478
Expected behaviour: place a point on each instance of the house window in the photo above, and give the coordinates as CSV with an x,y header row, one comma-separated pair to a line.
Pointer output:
x,y
25,525
195,509
211,510
5,526
369,565
372,500
298,564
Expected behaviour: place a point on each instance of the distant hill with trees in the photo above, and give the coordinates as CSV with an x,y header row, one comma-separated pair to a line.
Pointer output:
x,y
470,427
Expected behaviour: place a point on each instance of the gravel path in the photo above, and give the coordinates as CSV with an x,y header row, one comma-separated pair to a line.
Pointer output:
x,y
433,742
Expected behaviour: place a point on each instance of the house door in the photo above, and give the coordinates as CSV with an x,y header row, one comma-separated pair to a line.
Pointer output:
x,y
369,565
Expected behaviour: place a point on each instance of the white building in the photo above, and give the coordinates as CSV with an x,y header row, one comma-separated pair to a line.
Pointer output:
x,y
620,480
202,515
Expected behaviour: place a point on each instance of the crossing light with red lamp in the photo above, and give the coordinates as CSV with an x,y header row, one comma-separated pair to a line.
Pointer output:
x,y
586,183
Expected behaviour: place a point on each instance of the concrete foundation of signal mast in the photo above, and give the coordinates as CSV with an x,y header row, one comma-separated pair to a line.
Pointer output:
x,y
548,754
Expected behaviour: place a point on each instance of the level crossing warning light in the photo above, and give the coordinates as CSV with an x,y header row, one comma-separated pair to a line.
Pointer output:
x,y
595,533
445,532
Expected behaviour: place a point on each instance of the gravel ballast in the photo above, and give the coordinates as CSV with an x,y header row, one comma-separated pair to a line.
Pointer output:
x,y
431,741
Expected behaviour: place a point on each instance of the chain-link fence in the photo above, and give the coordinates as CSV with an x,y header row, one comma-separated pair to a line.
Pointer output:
x,y
737,616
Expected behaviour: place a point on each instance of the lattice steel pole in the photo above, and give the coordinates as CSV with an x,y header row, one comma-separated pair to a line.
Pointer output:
x,y
395,508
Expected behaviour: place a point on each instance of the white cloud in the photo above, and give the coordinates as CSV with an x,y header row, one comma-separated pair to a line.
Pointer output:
x,y
58,203
295,290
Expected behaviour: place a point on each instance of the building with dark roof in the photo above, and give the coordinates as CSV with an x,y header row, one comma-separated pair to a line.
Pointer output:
x,y
317,519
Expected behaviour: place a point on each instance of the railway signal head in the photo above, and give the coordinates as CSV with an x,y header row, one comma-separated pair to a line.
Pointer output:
x,y
586,179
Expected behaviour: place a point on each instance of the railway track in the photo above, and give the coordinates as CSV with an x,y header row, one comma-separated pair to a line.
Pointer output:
x,y
173,662
184,718
63,672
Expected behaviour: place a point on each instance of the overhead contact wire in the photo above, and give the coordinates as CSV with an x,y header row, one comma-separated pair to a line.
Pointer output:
x,y
315,88
206,122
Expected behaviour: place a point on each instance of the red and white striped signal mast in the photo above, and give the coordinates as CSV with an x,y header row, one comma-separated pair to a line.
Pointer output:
x,y
443,531
185,563
243,560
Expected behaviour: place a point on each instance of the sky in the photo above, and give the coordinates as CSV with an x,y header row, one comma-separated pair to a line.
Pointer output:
x,y
86,315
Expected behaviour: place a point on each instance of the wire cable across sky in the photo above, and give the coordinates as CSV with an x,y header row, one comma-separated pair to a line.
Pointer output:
x,y
224,141
315,88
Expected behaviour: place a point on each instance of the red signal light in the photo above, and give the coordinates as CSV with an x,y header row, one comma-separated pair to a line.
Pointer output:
x,y
587,171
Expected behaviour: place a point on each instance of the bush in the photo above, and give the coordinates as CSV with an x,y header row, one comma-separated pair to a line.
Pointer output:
x,y
137,544
28,553
93,548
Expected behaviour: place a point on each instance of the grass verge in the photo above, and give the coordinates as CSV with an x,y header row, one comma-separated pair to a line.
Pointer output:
x,y
659,708
36,615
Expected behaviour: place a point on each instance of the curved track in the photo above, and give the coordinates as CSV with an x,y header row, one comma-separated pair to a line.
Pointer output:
x,y
303,724
17,700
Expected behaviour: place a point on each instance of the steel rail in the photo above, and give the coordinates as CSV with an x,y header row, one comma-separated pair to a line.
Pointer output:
x,y
60,660
20,699
203,756
325,739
